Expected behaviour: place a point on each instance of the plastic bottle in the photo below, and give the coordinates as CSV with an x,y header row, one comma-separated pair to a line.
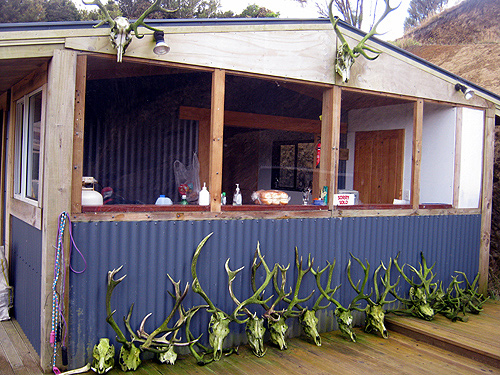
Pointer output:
x,y
223,199
237,196
163,201
184,200
90,197
204,196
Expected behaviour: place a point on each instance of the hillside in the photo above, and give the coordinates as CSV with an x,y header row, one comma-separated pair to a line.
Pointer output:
x,y
465,40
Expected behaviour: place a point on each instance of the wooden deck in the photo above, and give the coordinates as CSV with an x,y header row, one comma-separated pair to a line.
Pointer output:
x,y
17,356
440,350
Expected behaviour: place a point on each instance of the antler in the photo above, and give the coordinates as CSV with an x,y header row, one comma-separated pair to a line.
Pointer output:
x,y
343,316
254,299
386,282
269,274
112,283
359,290
196,283
156,6
346,56
151,339
295,301
425,275
107,17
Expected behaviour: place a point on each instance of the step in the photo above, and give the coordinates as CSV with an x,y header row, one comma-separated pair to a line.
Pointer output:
x,y
478,338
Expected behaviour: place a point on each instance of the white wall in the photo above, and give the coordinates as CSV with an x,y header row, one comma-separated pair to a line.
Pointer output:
x,y
471,161
382,118
438,154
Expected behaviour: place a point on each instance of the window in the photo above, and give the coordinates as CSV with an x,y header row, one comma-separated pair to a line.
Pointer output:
x,y
293,165
27,146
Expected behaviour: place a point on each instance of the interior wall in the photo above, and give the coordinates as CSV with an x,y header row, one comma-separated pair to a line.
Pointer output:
x,y
266,139
381,118
438,154
471,160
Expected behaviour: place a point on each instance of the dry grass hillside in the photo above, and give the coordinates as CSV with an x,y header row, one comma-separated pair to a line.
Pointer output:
x,y
465,40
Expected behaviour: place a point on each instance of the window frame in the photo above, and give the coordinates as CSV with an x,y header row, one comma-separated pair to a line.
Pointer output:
x,y
276,169
23,146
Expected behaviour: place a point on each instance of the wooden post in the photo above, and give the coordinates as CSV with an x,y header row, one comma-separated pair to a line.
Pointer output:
x,y
216,139
4,107
486,199
330,141
56,196
458,156
418,116
79,124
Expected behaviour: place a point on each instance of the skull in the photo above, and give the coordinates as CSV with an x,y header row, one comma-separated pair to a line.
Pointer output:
x,y
129,358
423,309
344,321
169,356
343,62
309,323
120,36
255,334
218,329
375,316
103,357
277,329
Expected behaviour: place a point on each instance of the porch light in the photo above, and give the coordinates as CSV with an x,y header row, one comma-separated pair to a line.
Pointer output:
x,y
468,93
161,48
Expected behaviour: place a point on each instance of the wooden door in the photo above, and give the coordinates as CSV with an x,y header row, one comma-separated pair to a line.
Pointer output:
x,y
378,165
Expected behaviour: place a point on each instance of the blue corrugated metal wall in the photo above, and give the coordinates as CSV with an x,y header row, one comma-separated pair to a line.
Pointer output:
x,y
26,270
150,250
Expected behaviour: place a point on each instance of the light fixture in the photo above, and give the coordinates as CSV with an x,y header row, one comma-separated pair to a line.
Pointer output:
x,y
161,47
468,93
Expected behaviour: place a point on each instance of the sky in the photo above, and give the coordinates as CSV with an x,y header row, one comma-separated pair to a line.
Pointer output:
x,y
391,28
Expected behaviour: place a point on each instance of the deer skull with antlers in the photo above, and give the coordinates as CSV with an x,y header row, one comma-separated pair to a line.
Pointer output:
x,y
375,314
121,29
343,315
254,325
345,55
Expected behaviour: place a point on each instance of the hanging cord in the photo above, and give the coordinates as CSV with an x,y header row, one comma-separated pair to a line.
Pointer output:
x,y
57,308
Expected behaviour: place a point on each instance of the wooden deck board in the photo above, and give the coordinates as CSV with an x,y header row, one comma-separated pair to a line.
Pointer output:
x,y
477,338
399,354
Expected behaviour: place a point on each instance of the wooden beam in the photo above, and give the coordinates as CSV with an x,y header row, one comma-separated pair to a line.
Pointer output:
x,y
418,116
486,199
56,194
458,156
79,126
216,138
4,105
330,141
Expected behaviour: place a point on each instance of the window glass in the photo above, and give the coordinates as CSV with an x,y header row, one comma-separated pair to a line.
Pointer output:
x,y
27,146
33,151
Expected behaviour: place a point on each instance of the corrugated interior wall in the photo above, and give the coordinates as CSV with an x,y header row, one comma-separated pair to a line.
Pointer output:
x,y
133,134
25,277
149,251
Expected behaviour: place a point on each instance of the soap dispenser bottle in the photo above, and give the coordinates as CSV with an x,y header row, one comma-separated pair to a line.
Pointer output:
x,y
204,196
237,196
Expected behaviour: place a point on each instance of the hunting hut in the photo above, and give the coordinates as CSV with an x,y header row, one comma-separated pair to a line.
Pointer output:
x,y
395,159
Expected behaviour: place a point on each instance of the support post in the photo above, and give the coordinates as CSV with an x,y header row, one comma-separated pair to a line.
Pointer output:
x,y
330,141
216,139
486,199
418,116
57,174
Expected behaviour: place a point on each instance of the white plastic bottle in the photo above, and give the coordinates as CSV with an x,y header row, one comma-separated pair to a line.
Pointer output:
x,y
237,196
204,196
163,201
